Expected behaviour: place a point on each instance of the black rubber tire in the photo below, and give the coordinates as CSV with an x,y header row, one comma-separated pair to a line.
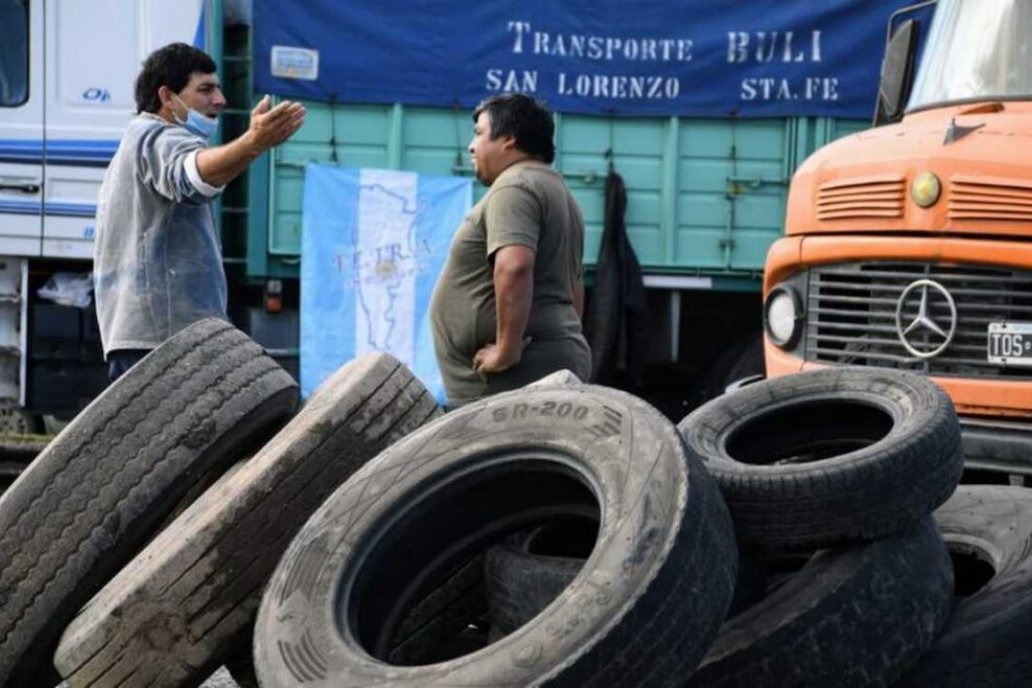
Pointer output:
x,y
432,628
831,457
523,574
855,617
101,488
986,641
170,617
641,612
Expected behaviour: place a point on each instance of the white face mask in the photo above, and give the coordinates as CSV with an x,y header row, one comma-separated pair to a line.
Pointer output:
x,y
195,122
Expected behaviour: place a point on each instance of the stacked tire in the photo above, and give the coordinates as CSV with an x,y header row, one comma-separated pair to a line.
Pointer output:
x,y
187,603
831,478
104,486
844,466
172,497
795,532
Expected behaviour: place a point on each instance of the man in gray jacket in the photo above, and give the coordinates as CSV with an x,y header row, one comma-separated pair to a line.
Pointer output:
x,y
157,257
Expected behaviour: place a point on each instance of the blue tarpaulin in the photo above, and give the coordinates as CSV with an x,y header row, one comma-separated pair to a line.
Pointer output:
x,y
672,57
373,244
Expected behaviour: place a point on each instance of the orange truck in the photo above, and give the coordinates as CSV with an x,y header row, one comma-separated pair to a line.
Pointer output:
x,y
909,245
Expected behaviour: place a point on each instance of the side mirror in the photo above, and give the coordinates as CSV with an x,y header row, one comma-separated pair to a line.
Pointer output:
x,y
897,74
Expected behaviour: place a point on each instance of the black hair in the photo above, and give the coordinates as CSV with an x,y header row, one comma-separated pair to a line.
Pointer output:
x,y
170,66
525,118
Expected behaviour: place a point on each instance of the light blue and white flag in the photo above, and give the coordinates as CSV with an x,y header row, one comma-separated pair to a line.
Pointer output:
x,y
373,244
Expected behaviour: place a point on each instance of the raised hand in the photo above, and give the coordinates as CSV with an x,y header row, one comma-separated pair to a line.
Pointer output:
x,y
271,126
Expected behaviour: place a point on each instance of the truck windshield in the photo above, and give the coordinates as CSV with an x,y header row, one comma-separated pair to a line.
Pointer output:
x,y
14,53
976,50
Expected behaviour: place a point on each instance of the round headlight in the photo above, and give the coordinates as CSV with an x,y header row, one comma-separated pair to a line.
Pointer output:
x,y
925,189
783,316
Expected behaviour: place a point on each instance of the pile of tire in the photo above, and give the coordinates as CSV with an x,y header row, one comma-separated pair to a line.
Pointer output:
x,y
563,534
135,547
831,478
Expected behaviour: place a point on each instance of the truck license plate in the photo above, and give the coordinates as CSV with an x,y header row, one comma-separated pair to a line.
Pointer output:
x,y
1010,343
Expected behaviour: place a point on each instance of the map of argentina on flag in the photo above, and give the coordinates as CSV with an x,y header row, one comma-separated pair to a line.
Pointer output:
x,y
373,244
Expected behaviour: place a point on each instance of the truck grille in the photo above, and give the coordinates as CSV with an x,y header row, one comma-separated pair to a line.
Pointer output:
x,y
879,196
852,315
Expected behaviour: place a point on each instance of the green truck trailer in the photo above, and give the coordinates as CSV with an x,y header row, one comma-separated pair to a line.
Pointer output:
x,y
706,197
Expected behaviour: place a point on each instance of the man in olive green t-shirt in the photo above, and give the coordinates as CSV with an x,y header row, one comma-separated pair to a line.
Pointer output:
x,y
507,308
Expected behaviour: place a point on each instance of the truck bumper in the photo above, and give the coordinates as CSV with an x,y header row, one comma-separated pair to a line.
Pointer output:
x,y
997,445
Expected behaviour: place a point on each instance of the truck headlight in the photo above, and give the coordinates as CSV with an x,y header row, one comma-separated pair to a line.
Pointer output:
x,y
783,316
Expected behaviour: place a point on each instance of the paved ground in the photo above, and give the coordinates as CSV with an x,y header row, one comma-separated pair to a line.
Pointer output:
x,y
220,679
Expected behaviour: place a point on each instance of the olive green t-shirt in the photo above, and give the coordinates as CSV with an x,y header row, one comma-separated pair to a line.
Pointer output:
x,y
529,205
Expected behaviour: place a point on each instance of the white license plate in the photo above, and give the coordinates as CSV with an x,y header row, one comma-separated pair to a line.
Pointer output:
x,y
1010,343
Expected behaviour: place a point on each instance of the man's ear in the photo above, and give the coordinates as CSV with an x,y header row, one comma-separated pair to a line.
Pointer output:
x,y
165,96
508,142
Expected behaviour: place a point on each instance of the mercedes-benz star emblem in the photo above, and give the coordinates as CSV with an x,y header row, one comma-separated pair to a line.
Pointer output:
x,y
925,335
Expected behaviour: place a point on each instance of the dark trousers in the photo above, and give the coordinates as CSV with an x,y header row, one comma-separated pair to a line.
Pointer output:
x,y
122,360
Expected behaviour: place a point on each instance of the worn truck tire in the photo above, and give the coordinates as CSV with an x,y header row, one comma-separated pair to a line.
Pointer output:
x,y
830,457
170,617
527,571
986,641
851,618
203,399
641,612
531,568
